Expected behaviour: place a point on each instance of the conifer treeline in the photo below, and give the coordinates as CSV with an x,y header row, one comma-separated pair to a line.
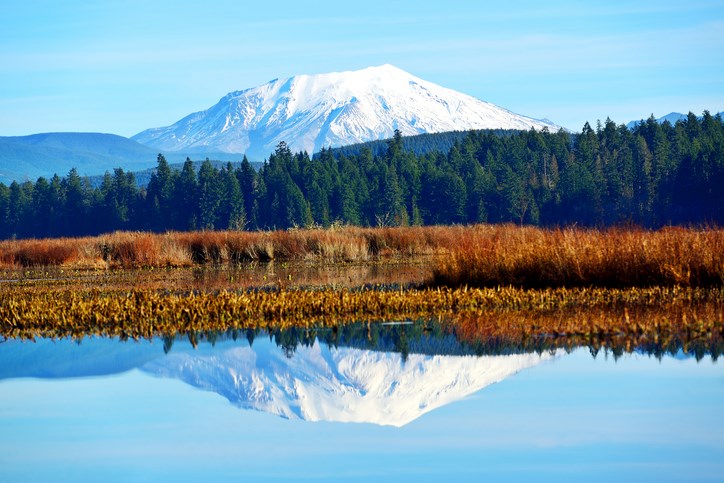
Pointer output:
x,y
651,175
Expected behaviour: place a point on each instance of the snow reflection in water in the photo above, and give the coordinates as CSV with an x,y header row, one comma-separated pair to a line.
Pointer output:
x,y
322,383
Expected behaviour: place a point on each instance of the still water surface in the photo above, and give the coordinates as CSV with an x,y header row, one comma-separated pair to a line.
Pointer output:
x,y
351,407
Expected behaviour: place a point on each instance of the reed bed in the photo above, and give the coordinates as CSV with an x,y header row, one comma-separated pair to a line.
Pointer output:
x,y
487,256
175,249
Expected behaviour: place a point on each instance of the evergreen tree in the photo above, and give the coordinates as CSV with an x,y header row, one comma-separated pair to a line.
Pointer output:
x,y
43,210
75,211
210,196
18,206
160,197
186,197
5,231
390,208
443,198
248,184
232,213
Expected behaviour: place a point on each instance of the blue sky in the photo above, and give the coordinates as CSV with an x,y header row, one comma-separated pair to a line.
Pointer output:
x,y
122,66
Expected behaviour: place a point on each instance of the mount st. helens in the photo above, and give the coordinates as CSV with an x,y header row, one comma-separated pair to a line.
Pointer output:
x,y
309,112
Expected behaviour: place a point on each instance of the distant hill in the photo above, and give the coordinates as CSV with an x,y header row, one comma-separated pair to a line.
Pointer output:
x,y
144,176
419,145
672,117
29,157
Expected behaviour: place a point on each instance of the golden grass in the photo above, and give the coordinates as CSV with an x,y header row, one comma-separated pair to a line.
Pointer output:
x,y
31,311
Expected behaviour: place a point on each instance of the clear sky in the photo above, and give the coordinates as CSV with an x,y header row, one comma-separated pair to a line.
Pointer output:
x,y
122,66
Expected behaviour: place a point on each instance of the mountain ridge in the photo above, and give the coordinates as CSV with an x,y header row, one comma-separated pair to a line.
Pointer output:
x,y
45,154
672,117
91,154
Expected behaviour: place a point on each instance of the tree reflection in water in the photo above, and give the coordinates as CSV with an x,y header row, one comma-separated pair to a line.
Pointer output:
x,y
444,338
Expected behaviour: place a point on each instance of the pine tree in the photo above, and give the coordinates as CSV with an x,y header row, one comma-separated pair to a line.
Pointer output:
x,y
210,194
160,197
231,211
247,182
186,196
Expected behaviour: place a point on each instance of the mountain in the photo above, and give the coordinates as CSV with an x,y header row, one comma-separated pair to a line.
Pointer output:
x,y
309,112
320,383
672,117
29,157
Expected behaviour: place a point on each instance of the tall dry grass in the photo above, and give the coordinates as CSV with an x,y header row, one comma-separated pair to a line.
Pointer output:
x,y
51,252
174,249
532,257
482,255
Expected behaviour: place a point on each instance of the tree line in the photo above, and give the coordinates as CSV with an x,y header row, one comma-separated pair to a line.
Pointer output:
x,y
651,175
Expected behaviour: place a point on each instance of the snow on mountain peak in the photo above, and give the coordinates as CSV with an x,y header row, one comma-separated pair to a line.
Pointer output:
x,y
309,112
346,385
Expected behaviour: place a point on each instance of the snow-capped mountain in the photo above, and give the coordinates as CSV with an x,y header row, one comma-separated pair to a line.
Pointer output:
x,y
344,385
309,112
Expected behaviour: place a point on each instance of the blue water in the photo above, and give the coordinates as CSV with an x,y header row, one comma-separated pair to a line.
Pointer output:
x,y
101,410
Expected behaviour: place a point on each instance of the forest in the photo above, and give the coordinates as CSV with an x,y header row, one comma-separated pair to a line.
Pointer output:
x,y
652,175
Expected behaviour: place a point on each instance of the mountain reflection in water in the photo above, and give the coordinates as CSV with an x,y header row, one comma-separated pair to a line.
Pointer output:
x,y
322,383
386,374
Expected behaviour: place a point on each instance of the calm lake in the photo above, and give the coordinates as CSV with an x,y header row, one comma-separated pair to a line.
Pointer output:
x,y
394,403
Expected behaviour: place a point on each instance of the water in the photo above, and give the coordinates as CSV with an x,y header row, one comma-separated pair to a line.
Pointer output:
x,y
425,407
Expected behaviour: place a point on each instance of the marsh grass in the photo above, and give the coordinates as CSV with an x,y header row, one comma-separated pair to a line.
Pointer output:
x,y
135,303
174,249
477,256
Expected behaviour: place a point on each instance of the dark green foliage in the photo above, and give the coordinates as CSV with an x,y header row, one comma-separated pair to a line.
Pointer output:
x,y
210,196
651,175
186,195
417,145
